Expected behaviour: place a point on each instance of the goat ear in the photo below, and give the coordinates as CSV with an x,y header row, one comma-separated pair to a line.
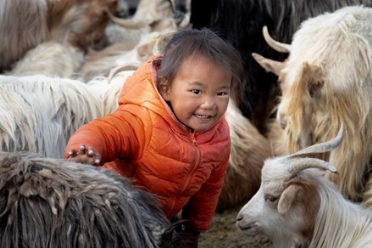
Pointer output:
x,y
287,198
314,78
268,64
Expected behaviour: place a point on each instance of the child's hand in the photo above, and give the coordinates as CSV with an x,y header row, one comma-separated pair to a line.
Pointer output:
x,y
85,155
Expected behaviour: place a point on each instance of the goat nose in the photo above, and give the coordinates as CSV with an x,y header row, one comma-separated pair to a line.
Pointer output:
x,y
239,217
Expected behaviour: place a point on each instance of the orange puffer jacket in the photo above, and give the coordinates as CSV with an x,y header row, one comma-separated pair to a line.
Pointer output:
x,y
143,140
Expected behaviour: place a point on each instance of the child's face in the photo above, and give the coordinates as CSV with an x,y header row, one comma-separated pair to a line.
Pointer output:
x,y
199,93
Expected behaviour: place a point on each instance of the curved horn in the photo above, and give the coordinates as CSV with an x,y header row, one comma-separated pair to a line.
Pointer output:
x,y
321,147
128,23
300,164
269,65
280,47
120,68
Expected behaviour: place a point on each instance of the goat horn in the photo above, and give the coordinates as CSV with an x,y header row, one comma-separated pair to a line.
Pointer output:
x,y
128,23
300,164
120,68
278,46
321,147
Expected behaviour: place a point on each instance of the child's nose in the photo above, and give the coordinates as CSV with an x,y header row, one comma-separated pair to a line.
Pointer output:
x,y
209,103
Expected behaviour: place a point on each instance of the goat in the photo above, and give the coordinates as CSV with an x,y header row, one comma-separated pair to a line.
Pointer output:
x,y
149,12
40,113
132,42
25,24
240,23
42,60
326,81
47,202
101,63
296,206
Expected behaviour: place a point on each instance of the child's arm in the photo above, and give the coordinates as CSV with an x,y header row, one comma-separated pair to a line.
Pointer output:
x,y
114,136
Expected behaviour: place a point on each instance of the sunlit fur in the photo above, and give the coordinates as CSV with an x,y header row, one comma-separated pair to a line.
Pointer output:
x,y
46,202
328,80
276,138
39,113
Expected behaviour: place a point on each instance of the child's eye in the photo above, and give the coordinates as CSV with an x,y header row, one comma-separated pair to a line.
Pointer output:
x,y
222,93
196,91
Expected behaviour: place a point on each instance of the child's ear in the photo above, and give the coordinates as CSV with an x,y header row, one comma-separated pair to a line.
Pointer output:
x,y
164,89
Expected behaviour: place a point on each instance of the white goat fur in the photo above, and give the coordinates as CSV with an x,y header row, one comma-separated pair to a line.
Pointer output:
x,y
39,113
50,59
326,81
304,210
108,91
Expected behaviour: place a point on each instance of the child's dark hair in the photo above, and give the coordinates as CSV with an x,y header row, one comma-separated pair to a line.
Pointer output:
x,y
203,42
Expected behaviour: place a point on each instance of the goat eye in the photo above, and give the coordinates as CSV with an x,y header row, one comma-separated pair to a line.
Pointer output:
x,y
271,198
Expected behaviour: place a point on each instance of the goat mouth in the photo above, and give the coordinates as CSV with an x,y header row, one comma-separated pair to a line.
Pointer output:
x,y
249,229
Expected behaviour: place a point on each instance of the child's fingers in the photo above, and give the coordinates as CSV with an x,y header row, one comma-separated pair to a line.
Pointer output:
x,y
82,148
90,151
97,160
72,153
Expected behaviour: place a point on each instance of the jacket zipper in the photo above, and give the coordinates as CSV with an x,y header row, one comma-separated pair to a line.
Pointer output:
x,y
196,161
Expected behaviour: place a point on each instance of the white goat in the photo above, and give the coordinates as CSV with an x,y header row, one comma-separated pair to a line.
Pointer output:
x,y
42,60
296,206
39,113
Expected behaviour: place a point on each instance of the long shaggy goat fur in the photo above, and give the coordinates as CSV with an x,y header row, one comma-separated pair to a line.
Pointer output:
x,y
240,23
47,202
40,113
353,222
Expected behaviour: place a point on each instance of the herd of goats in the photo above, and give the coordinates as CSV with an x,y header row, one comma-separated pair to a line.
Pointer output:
x,y
301,145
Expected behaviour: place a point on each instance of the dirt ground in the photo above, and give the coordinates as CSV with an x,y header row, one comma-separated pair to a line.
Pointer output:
x,y
223,234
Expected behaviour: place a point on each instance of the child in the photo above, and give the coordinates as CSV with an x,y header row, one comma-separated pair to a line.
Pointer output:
x,y
169,133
